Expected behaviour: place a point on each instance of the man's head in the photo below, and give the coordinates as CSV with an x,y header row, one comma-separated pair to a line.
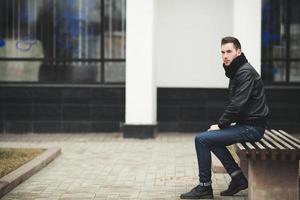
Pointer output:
x,y
230,49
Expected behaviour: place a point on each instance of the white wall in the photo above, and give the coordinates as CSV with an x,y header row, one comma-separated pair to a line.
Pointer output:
x,y
247,27
188,42
188,34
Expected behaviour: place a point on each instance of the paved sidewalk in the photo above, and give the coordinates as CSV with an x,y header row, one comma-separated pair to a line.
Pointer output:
x,y
107,167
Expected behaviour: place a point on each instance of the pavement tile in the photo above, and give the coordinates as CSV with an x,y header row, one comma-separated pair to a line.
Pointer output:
x,y
107,167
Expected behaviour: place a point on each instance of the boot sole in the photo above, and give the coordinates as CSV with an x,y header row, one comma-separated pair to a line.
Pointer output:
x,y
235,191
201,197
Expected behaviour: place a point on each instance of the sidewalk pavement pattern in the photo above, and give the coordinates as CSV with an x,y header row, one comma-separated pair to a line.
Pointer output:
x,y
108,167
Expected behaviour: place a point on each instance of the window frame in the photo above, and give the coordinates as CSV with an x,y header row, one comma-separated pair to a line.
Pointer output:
x,y
102,60
287,60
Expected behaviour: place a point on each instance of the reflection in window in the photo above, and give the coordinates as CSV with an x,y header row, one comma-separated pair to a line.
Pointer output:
x,y
61,37
65,28
295,72
18,29
19,71
280,41
295,29
278,71
274,72
273,29
114,29
115,72
295,40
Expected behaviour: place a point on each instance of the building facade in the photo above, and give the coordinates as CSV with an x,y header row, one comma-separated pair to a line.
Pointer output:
x,y
139,66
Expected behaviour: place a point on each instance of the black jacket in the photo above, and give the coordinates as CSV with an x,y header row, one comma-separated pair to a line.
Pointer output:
x,y
247,101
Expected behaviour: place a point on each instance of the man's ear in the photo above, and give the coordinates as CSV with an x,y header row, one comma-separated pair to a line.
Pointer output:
x,y
239,52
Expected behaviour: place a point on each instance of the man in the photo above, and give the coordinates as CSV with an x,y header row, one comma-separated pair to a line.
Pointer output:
x,y
244,120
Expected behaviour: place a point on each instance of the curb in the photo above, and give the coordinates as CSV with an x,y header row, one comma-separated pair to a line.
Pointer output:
x,y
13,179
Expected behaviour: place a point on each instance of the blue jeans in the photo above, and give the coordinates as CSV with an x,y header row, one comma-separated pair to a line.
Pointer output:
x,y
216,141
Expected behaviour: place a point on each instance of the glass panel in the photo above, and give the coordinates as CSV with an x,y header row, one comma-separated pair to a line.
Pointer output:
x,y
115,72
295,29
273,29
279,71
19,71
61,28
267,72
295,72
114,28
275,72
75,29
295,40
24,48
18,32
77,72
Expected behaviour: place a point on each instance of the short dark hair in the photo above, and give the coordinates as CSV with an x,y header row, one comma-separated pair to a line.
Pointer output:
x,y
233,40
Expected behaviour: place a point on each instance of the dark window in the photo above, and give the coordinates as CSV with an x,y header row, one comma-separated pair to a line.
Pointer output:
x,y
62,41
281,41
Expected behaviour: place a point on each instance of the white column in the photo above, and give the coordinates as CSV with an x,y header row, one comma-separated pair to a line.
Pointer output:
x,y
140,80
247,28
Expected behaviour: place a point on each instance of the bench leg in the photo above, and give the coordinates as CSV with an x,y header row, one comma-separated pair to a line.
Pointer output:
x,y
243,163
272,180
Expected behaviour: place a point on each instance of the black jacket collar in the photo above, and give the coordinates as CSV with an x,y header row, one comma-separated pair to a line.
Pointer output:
x,y
231,69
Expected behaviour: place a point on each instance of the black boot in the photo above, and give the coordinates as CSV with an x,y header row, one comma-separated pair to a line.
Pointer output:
x,y
238,183
199,192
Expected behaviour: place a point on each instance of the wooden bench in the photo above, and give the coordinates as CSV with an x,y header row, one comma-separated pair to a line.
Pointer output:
x,y
272,166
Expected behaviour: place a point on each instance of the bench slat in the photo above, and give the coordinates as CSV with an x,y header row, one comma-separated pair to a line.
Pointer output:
x,y
294,144
296,151
275,137
251,150
290,150
259,145
262,150
241,146
241,150
274,145
279,150
250,146
267,144
290,137
271,149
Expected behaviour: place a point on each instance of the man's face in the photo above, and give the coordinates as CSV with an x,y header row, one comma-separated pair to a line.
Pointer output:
x,y
229,53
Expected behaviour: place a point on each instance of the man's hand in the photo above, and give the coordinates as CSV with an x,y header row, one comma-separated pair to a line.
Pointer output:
x,y
214,127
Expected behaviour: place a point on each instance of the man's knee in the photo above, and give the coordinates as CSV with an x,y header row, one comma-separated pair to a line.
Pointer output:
x,y
201,137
